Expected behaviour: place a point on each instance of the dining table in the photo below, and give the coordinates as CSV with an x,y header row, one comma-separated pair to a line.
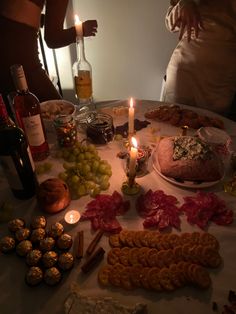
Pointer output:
x,y
17,297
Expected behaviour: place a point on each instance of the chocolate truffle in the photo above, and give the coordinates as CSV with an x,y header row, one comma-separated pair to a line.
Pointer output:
x,y
7,244
65,261
52,276
49,259
33,257
23,248
37,235
64,242
22,234
38,222
34,276
47,244
16,224
56,230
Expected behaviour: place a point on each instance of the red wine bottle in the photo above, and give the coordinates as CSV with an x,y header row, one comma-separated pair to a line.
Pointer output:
x,y
15,157
28,115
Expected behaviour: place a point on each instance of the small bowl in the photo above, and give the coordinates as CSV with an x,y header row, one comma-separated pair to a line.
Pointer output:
x,y
51,108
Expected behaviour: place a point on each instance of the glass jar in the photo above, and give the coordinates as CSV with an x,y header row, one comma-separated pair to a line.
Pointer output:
x,y
100,128
66,131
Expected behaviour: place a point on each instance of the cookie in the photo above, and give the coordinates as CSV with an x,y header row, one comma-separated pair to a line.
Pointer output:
x,y
113,256
103,275
154,279
135,275
152,257
115,274
133,256
125,281
142,256
165,279
114,240
137,239
124,256
207,239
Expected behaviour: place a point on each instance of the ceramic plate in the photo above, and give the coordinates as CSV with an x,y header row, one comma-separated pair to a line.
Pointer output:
x,y
182,183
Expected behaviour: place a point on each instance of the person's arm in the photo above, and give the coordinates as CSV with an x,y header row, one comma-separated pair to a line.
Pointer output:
x,y
54,33
183,16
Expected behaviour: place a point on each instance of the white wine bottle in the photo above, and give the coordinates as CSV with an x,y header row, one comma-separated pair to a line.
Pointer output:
x,y
82,71
15,157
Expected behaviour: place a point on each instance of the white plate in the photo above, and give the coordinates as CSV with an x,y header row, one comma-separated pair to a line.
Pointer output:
x,y
186,184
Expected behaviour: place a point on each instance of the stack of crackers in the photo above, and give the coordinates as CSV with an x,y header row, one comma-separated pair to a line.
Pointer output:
x,y
160,262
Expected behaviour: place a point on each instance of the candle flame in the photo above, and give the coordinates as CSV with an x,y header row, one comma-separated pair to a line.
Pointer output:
x,y
131,103
71,216
77,20
134,142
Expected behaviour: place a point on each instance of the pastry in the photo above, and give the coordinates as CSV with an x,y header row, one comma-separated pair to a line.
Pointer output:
x,y
53,195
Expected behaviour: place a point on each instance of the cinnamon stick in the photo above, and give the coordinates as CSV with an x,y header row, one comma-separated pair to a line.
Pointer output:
x,y
93,260
80,248
94,242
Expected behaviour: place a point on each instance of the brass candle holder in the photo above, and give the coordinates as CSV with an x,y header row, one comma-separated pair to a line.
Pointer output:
x,y
130,186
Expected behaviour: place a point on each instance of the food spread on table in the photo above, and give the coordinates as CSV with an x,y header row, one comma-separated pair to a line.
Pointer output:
x,y
161,257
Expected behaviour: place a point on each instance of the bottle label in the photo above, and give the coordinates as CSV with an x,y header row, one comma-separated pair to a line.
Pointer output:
x,y
34,130
83,84
11,173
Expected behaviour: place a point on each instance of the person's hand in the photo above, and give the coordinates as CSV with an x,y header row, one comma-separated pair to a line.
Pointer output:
x,y
90,28
189,20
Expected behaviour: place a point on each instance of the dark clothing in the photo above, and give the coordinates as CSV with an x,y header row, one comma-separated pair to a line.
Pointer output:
x,y
19,45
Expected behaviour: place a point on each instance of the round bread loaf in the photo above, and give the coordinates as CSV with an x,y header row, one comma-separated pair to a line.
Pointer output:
x,y
53,195
189,158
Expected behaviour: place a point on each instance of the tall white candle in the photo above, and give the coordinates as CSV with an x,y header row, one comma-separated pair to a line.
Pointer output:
x,y
78,27
133,157
131,117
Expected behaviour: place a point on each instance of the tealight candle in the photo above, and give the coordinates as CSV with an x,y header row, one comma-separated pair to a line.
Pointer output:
x,y
133,157
78,27
131,116
72,217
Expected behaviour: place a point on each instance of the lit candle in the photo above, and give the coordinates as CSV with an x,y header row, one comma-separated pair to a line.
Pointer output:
x,y
72,217
133,157
131,116
78,27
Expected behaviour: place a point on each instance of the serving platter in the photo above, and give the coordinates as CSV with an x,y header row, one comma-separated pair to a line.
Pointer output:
x,y
181,183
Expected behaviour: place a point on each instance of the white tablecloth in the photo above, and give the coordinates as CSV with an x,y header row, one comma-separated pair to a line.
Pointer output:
x,y
16,297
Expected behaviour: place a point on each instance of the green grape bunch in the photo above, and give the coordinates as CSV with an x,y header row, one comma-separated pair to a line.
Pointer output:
x,y
85,172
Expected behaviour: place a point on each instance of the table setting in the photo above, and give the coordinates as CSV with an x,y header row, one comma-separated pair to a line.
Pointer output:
x,y
134,214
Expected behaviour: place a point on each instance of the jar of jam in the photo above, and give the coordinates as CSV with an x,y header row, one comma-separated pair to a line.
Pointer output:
x,y
100,128
66,130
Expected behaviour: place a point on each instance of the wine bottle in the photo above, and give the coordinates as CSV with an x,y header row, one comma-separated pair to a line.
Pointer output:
x,y
28,115
15,157
82,71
